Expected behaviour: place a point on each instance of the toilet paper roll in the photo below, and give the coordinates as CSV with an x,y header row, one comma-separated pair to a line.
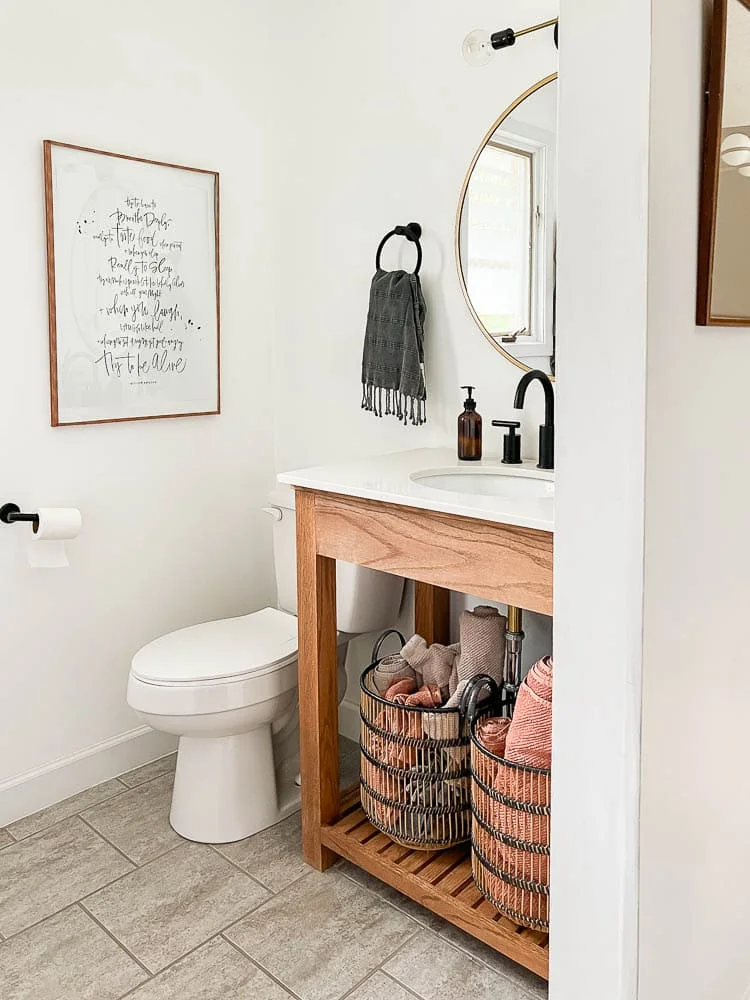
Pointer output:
x,y
56,526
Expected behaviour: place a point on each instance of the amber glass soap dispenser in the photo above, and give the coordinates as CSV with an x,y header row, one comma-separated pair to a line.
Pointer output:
x,y
469,430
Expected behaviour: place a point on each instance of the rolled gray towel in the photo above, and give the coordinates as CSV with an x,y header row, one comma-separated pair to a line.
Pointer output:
x,y
391,669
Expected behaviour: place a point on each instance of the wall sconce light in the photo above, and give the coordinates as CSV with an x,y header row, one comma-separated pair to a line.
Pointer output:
x,y
735,150
479,45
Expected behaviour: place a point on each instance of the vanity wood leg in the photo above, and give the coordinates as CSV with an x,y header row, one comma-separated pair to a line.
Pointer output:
x,y
318,688
432,613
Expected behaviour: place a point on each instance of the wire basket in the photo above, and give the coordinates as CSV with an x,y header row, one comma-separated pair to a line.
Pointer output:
x,y
415,778
510,835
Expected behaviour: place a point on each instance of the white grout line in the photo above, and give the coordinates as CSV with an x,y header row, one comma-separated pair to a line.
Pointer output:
x,y
116,940
258,966
396,982
109,842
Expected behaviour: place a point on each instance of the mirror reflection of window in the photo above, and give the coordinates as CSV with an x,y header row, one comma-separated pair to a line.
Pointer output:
x,y
499,240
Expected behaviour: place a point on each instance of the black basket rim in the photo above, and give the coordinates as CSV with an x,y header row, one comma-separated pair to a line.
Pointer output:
x,y
443,710
525,768
449,743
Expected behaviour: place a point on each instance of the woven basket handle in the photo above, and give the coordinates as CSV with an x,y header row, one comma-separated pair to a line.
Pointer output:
x,y
470,698
381,639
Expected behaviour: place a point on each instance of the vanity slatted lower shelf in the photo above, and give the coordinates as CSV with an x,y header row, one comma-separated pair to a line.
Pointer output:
x,y
438,880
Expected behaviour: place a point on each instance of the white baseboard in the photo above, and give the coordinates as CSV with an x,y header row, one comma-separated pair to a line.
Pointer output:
x,y
27,793
349,720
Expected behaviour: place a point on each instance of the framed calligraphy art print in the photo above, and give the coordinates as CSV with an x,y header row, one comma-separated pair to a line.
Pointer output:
x,y
133,286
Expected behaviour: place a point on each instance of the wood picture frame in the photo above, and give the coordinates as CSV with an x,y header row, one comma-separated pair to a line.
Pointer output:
x,y
723,290
133,281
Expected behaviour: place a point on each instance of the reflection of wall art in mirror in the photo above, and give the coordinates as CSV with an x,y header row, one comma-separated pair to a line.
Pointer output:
x,y
724,243
506,230
133,281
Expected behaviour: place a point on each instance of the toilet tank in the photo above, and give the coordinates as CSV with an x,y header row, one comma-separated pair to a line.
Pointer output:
x,y
366,600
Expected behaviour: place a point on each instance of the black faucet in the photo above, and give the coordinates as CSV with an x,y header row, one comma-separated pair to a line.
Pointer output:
x,y
547,430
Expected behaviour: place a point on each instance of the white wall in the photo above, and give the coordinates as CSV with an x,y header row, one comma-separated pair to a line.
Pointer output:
x,y
695,828
172,533
383,118
603,202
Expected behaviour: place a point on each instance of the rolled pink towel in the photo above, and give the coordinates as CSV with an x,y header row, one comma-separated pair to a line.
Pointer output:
x,y
434,663
529,740
406,686
539,678
492,734
428,696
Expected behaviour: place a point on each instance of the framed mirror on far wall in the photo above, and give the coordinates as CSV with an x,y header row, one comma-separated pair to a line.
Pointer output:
x,y
724,241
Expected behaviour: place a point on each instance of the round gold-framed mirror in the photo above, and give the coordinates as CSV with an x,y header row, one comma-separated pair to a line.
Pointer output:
x,y
506,230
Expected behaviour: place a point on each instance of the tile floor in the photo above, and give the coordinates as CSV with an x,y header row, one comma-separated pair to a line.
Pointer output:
x,y
100,899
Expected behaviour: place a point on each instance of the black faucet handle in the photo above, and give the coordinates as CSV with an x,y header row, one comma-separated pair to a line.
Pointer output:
x,y
511,441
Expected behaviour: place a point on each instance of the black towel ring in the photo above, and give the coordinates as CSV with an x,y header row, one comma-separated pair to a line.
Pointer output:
x,y
412,232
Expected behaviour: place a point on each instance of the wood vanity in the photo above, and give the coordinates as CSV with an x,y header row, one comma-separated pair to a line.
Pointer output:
x,y
440,552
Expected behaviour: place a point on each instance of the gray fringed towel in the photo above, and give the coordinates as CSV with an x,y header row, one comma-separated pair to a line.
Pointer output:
x,y
393,356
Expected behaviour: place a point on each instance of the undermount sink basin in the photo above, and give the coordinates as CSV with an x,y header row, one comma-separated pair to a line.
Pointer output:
x,y
521,484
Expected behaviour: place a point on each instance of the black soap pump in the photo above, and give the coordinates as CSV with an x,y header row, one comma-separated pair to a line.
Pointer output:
x,y
469,430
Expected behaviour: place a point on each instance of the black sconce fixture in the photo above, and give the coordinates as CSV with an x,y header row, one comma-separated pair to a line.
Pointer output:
x,y
479,45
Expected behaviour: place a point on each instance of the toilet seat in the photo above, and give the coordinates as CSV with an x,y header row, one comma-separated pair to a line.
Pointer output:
x,y
217,666
223,651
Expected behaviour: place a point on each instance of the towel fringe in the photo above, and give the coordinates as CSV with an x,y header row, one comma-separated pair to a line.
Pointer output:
x,y
397,404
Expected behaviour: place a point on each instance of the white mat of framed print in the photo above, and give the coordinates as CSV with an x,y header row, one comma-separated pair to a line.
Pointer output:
x,y
133,279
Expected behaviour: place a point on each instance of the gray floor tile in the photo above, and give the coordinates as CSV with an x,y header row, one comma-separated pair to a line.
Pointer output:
x,y
392,896
534,986
380,987
273,856
66,957
171,905
137,822
216,971
322,935
51,870
5,839
164,765
435,970
65,809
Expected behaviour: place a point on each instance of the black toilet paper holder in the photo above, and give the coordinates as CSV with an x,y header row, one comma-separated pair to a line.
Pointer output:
x,y
10,513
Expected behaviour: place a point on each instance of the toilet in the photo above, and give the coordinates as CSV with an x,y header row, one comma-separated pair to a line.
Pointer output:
x,y
228,690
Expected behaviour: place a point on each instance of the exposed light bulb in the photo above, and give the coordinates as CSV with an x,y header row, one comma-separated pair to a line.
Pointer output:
x,y
477,48
735,149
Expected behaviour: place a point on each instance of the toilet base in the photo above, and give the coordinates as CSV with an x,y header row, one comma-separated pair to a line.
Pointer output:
x,y
225,787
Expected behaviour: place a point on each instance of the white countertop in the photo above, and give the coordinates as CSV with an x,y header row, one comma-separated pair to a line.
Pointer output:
x,y
387,478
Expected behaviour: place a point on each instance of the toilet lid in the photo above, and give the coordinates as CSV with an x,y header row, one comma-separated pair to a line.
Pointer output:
x,y
227,649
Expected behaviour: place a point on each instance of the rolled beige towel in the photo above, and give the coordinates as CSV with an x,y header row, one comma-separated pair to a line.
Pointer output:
x,y
391,669
482,645
434,664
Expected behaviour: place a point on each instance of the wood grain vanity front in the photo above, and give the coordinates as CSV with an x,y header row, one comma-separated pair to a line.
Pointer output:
x,y
441,552
497,561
